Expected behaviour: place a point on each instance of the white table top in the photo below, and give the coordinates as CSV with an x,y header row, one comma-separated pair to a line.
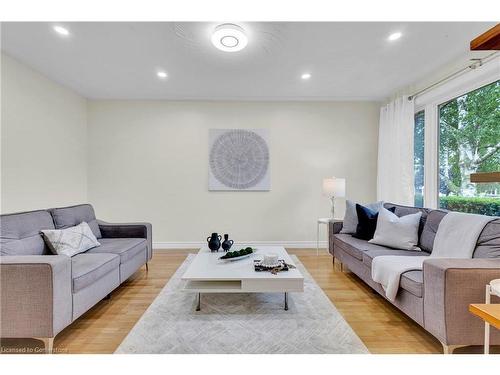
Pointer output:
x,y
208,266
327,220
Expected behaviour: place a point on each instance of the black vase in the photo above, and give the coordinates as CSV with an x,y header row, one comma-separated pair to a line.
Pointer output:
x,y
226,245
214,242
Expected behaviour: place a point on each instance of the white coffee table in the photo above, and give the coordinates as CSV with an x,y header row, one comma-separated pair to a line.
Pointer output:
x,y
208,274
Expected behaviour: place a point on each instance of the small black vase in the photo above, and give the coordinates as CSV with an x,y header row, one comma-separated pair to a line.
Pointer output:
x,y
226,245
214,242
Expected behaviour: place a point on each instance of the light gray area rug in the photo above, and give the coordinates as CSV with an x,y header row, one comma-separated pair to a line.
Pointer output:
x,y
241,323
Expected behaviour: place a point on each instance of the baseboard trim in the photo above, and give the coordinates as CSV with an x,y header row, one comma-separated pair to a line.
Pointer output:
x,y
197,245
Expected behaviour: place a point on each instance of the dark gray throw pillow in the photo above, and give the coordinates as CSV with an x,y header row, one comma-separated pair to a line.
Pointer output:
x,y
367,222
351,217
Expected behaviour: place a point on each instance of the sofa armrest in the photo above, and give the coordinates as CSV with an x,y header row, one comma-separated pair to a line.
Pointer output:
x,y
128,230
36,295
450,285
334,227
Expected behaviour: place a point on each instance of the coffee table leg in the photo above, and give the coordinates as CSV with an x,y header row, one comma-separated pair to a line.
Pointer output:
x,y
198,306
286,301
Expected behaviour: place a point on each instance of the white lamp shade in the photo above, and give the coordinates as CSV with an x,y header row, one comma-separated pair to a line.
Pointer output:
x,y
334,187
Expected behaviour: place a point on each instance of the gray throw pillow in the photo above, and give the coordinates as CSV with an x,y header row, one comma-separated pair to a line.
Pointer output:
x,y
351,217
397,232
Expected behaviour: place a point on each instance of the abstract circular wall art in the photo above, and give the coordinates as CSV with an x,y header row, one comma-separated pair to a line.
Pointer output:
x,y
239,159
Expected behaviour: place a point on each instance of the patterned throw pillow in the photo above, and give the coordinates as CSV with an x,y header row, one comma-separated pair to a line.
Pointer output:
x,y
70,241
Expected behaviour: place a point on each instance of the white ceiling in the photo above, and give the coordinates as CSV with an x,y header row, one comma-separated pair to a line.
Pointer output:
x,y
115,60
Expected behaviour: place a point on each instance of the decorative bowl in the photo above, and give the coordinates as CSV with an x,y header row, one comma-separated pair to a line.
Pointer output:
x,y
270,261
233,258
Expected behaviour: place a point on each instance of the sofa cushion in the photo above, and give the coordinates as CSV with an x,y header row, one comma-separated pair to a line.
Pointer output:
x,y
126,248
65,217
354,246
368,255
406,210
20,233
488,243
430,228
413,282
88,268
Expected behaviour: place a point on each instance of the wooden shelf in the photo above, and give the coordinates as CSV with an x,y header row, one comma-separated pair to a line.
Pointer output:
x,y
229,286
488,312
489,40
485,177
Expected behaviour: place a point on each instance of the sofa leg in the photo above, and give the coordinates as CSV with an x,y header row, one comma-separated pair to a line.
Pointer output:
x,y
108,297
48,343
338,266
449,349
147,267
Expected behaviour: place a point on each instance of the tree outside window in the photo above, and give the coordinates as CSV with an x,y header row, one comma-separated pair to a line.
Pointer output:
x,y
469,131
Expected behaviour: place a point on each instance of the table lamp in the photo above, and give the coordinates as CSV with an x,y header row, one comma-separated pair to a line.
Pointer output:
x,y
334,187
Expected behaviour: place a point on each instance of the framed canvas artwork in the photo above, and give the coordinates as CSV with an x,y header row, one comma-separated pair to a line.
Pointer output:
x,y
238,160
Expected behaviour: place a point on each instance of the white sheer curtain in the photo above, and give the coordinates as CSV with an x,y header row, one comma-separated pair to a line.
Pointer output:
x,y
395,152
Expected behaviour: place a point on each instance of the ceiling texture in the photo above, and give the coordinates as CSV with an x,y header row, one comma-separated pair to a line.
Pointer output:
x,y
347,60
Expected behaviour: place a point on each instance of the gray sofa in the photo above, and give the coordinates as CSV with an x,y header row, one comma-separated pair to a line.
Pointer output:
x,y
41,293
438,297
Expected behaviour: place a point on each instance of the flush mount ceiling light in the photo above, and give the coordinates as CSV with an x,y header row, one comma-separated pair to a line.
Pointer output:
x,y
229,38
162,74
395,36
305,76
61,30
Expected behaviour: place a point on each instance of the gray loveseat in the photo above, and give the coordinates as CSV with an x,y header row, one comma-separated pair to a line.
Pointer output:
x,y
41,293
438,297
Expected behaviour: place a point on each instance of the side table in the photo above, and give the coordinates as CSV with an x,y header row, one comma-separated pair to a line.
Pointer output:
x,y
489,312
326,221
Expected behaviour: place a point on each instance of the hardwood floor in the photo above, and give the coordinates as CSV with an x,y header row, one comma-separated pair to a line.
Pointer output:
x,y
382,327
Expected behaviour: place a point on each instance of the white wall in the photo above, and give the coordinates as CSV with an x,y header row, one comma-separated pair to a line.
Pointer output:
x,y
43,141
148,160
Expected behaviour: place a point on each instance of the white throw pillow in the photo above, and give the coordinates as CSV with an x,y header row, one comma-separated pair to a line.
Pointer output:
x,y
70,241
397,232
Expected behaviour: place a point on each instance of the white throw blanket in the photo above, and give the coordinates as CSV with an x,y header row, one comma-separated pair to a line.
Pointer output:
x,y
387,271
456,237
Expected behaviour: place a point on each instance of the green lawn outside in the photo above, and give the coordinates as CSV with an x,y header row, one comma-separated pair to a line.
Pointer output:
x,y
474,205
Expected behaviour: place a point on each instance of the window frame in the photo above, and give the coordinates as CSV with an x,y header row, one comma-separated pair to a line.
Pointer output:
x,y
429,102
414,125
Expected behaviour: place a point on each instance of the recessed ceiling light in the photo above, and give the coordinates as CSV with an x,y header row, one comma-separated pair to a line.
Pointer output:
x,y
229,38
61,30
162,75
395,36
306,76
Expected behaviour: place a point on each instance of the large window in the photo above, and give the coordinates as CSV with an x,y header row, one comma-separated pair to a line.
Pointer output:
x,y
469,142
418,159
